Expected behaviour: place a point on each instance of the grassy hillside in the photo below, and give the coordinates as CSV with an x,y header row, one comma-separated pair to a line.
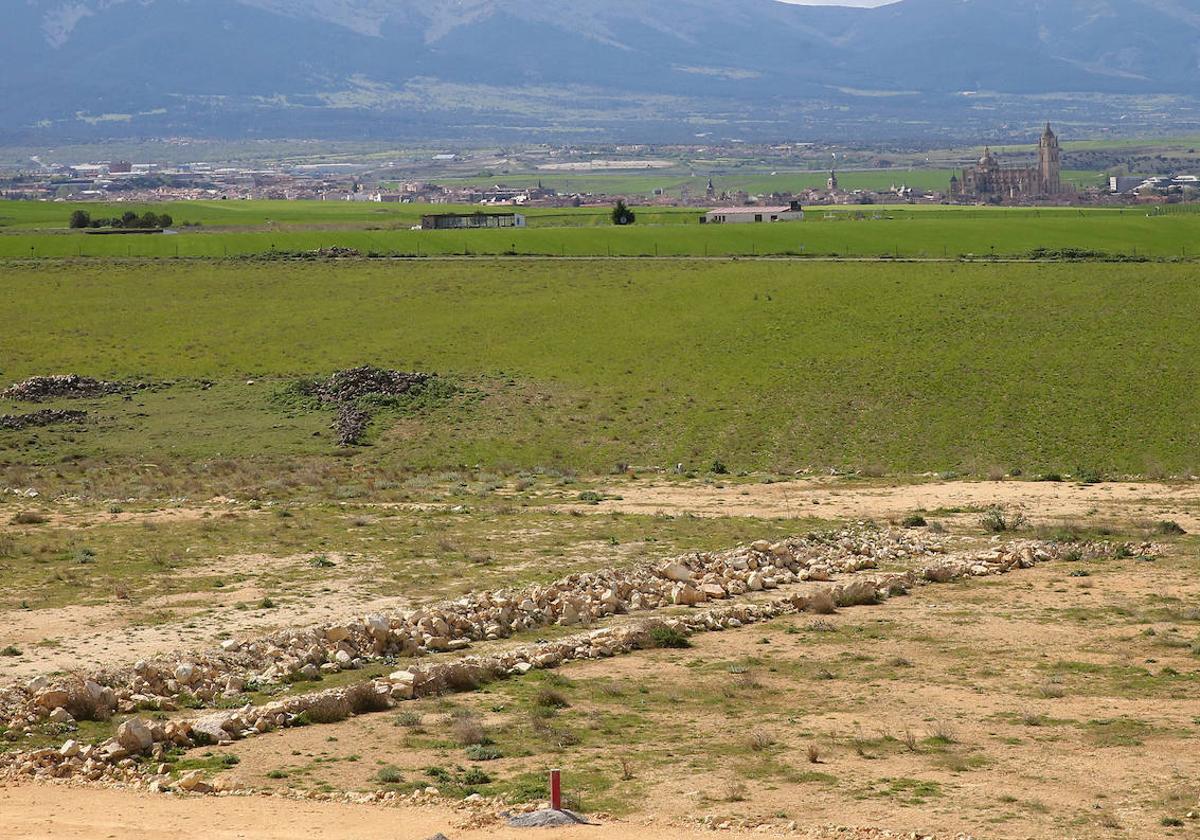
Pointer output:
x,y
765,366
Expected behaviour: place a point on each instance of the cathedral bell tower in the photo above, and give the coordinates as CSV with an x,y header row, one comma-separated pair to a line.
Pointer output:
x,y
1049,163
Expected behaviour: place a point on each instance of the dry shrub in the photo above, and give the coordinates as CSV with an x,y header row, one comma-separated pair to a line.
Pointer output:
x,y
1051,690
82,705
943,732
735,791
549,698
364,699
821,603
626,769
857,593
468,732
464,678
30,517
761,740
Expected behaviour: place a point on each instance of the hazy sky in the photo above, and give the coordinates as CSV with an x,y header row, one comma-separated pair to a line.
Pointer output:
x,y
840,2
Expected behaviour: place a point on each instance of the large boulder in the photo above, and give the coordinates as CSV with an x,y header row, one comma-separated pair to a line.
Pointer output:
x,y
134,736
676,572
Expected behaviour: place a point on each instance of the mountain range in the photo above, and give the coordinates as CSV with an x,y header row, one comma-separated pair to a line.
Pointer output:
x,y
597,70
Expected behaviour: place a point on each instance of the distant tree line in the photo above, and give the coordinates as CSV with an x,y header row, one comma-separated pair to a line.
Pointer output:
x,y
129,220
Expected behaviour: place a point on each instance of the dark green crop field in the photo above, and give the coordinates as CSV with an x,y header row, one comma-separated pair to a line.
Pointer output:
x,y
773,366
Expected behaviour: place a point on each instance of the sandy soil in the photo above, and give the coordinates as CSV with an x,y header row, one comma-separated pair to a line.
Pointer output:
x,y
838,499
83,636
979,656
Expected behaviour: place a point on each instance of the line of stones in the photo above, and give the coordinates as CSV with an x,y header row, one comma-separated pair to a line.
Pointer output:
x,y
122,758
307,653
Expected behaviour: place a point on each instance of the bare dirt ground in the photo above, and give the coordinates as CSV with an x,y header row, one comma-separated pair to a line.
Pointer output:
x,y
47,812
837,499
1060,702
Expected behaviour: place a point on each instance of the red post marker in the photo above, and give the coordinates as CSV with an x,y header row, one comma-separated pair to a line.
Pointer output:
x,y
556,790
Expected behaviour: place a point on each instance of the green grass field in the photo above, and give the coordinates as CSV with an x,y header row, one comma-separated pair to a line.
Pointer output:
x,y
582,365
31,230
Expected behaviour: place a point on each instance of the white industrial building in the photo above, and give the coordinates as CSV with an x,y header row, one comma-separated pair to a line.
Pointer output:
x,y
752,215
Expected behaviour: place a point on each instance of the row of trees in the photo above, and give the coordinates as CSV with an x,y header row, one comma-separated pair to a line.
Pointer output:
x,y
129,220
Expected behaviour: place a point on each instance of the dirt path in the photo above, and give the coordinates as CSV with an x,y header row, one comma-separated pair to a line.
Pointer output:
x,y
838,499
53,812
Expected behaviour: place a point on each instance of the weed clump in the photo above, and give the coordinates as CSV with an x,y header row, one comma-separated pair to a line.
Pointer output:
x,y
997,521
669,637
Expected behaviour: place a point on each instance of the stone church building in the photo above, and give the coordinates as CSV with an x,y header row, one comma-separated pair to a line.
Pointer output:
x,y
988,179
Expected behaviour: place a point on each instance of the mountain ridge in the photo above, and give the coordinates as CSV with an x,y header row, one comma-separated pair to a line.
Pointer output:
x,y
753,68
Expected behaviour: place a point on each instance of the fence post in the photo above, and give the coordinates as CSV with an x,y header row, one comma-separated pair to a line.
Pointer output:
x,y
556,790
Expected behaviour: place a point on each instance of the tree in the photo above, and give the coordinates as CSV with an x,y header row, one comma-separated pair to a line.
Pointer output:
x,y
81,219
129,219
622,215
149,220
165,221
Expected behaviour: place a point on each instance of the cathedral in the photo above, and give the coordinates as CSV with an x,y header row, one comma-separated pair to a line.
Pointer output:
x,y
988,179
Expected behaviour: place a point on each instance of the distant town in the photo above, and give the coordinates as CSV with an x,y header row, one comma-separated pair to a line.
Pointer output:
x,y
545,177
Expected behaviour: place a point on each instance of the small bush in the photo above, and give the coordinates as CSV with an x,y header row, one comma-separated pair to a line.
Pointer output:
x,y
914,520
10,651
1171,822
389,775
1049,477
411,720
277,774
735,792
482,752
1169,528
549,698
474,776
591,497
718,468
321,562
668,637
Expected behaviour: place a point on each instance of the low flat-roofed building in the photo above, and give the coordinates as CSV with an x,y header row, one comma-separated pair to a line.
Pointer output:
x,y
752,215
472,221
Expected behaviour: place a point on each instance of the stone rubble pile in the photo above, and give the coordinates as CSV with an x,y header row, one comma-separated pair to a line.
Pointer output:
x,y
45,417
698,579
68,386
344,389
